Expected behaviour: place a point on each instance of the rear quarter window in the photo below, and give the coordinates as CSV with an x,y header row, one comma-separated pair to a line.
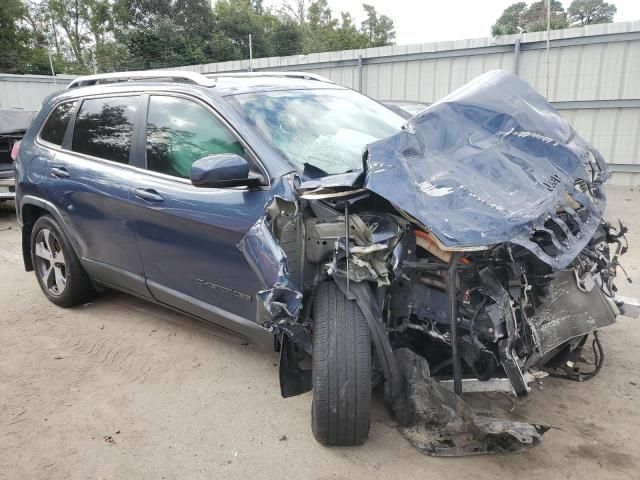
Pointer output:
x,y
104,127
55,127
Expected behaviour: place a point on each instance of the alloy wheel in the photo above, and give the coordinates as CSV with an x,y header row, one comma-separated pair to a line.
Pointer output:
x,y
50,262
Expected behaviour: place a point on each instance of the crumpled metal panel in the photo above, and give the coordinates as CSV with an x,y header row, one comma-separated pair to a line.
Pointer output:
x,y
491,163
374,237
569,313
281,300
438,422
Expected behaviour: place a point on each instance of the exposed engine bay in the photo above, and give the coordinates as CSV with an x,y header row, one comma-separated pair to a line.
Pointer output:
x,y
473,242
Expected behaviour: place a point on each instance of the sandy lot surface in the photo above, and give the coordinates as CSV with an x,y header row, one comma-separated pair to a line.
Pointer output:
x,y
121,389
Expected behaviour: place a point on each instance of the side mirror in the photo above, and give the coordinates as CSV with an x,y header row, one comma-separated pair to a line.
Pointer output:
x,y
222,170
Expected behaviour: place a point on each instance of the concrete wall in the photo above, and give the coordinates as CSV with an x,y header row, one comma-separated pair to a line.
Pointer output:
x,y
594,78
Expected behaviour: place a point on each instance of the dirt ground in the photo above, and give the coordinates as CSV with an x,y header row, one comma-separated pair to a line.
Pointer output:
x,y
122,389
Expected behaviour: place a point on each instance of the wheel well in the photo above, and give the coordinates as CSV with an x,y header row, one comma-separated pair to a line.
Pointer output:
x,y
29,213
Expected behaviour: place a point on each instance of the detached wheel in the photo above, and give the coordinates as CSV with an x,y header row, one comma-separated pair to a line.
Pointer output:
x,y
341,365
57,268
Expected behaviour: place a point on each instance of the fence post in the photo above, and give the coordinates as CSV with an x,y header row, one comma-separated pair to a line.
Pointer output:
x,y
516,57
53,72
94,63
360,73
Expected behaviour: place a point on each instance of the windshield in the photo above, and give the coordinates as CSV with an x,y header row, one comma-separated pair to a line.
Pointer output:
x,y
319,131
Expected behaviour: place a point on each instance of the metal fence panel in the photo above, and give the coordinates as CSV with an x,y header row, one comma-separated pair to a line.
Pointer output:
x,y
28,91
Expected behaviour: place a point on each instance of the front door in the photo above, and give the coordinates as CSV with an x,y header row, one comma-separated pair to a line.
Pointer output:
x,y
188,236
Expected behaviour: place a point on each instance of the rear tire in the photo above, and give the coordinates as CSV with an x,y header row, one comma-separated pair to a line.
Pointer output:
x,y
57,268
341,408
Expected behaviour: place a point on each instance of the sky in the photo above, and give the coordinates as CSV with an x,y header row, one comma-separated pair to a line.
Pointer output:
x,y
421,21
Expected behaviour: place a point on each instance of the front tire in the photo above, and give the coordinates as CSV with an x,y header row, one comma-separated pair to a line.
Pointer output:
x,y
57,268
341,369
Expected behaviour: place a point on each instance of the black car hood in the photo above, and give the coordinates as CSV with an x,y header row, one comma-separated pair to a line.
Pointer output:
x,y
492,162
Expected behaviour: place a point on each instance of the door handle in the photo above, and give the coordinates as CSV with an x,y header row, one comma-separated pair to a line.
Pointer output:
x,y
59,172
148,194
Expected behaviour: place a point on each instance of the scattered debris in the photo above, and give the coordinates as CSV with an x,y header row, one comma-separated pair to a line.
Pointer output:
x,y
437,422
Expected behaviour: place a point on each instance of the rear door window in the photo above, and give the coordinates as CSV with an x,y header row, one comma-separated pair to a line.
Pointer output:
x,y
180,131
104,127
56,125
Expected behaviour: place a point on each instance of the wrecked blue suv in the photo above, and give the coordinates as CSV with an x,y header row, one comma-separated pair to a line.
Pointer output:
x,y
461,249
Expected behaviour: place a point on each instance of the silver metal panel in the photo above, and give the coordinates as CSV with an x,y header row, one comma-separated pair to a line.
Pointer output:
x,y
472,385
28,91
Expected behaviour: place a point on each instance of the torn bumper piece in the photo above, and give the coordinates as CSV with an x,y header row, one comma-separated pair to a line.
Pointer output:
x,y
438,422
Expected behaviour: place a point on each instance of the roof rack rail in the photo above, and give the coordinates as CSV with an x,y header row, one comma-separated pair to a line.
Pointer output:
x,y
287,74
158,75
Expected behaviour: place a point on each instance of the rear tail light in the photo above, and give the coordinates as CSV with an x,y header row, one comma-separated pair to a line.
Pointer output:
x,y
15,150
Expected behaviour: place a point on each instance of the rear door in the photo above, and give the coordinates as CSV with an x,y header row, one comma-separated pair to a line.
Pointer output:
x,y
188,235
89,181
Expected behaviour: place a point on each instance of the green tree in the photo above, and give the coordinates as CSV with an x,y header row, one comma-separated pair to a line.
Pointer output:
x,y
160,33
588,12
510,21
99,24
22,42
137,34
295,11
535,17
323,32
234,20
286,37
71,17
13,37
520,17
378,29
319,28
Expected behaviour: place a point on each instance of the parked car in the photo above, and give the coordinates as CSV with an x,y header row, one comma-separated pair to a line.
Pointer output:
x,y
13,124
468,240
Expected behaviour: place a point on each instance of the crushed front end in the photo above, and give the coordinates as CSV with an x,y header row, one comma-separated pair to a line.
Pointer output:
x,y
475,245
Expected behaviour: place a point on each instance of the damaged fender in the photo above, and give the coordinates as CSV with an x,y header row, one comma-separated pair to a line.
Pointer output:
x,y
279,304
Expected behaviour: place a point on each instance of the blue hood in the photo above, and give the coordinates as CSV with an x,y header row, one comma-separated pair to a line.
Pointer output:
x,y
493,162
